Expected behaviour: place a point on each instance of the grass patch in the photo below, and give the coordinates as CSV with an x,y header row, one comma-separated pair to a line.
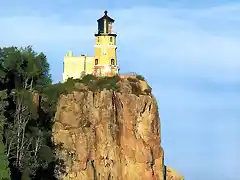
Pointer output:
x,y
109,83
140,77
53,92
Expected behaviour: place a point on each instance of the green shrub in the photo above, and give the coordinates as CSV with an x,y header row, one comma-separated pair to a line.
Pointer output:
x,y
139,77
52,92
109,83
88,78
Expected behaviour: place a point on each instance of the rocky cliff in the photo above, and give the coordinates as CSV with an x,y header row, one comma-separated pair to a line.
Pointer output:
x,y
109,135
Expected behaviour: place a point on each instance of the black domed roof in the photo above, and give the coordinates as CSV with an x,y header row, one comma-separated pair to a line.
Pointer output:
x,y
106,17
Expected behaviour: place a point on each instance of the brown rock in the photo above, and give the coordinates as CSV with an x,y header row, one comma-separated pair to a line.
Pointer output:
x,y
144,86
108,136
124,86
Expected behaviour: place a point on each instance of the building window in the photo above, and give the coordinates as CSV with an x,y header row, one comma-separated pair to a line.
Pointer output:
x,y
96,61
98,39
111,39
112,62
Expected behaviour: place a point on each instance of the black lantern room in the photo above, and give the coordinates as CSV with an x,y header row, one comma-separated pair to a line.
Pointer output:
x,y
105,24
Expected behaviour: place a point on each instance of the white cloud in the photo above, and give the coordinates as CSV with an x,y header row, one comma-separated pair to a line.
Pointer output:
x,y
175,40
171,38
227,12
41,31
159,33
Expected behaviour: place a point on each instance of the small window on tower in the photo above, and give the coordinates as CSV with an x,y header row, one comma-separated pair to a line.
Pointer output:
x,y
111,39
98,40
96,61
112,62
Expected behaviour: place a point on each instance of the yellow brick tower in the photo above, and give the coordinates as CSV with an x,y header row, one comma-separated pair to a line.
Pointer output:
x,y
103,63
105,48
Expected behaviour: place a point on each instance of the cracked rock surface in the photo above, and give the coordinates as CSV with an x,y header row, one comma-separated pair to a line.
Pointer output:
x,y
108,136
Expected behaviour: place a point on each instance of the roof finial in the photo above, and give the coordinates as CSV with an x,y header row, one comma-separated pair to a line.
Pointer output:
x,y
105,12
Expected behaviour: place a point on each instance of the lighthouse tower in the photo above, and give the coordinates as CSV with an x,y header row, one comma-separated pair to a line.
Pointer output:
x,y
105,62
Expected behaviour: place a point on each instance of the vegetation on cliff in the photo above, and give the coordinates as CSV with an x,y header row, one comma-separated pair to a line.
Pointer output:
x,y
90,83
26,150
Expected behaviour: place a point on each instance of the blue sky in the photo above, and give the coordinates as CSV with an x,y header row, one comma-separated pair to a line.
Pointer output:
x,y
187,50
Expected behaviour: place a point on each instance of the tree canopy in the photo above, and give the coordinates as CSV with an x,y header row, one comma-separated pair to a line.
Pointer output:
x,y
25,141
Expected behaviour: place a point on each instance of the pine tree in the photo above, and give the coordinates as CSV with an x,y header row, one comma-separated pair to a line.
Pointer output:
x,y
4,169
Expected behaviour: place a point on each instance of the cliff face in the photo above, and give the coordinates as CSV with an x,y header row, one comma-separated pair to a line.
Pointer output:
x,y
109,136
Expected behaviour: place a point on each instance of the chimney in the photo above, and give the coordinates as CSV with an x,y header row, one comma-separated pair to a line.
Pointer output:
x,y
70,53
